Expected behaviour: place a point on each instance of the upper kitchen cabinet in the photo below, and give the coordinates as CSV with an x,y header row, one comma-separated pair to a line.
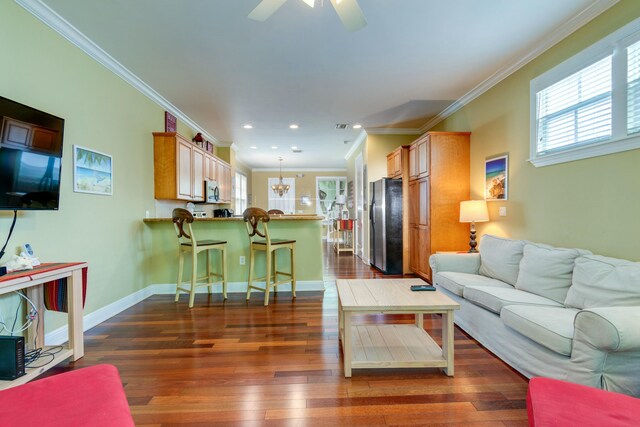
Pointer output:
x,y
179,168
396,161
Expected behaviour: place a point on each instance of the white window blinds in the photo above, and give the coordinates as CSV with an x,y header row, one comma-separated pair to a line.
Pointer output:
x,y
576,110
633,88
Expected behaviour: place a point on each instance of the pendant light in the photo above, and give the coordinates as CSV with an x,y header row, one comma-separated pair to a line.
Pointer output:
x,y
281,188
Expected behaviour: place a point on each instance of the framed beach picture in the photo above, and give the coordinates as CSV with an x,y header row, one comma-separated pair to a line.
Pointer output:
x,y
496,178
92,172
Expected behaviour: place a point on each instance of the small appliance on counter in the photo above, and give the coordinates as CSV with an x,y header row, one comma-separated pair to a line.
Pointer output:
x,y
222,213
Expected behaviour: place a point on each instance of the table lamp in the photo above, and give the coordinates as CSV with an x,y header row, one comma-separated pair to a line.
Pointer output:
x,y
473,211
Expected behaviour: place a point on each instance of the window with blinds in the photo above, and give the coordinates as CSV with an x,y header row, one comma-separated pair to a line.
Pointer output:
x,y
589,105
576,110
633,88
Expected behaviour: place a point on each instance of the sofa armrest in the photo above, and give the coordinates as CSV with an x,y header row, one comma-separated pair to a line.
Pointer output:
x,y
460,263
610,329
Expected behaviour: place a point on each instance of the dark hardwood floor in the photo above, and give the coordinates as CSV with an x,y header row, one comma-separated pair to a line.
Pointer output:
x,y
235,363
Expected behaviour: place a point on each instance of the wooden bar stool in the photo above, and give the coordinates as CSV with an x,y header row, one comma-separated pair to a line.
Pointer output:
x,y
188,243
256,220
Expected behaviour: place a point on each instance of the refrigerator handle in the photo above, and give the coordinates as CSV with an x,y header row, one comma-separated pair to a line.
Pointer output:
x,y
371,215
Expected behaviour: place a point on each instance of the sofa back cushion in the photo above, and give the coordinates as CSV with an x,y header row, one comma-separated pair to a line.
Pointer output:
x,y
600,281
546,271
500,258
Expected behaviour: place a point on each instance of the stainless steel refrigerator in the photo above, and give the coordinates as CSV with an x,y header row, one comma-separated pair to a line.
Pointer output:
x,y
385,225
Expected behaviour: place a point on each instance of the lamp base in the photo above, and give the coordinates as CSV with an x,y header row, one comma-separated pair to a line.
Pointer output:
x,y
472,241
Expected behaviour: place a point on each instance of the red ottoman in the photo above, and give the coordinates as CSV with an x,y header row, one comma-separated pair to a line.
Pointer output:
x,y
559,403
87,397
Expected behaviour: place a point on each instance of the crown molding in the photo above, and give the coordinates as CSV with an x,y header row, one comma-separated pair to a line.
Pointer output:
x,y
60,25
572,25
393,131
362,136
299,170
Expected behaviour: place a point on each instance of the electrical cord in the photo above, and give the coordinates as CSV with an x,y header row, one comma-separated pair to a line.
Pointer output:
x,y
13,224
35,355
31,315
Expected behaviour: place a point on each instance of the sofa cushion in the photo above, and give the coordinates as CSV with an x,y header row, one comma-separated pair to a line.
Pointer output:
x,y
600,281
456,282
547,271
493,298
551,327
500,258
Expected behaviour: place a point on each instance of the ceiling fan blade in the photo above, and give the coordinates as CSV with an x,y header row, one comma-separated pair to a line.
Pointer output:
x,y
265,9
350,14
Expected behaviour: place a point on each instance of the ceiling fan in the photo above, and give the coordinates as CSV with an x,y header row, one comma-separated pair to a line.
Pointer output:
x,y
348,11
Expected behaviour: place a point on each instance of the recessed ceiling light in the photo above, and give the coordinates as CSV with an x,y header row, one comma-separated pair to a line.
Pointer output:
x,y
294,147
357,126
248,126
253,147
273,147
293,126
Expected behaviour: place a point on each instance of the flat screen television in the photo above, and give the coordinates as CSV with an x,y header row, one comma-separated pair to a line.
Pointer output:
x,y
30,157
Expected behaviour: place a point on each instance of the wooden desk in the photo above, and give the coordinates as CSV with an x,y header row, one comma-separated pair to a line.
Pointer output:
x,y
32,281
393,345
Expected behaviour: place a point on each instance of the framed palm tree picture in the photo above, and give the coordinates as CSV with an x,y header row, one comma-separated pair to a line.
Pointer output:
x,y
92,172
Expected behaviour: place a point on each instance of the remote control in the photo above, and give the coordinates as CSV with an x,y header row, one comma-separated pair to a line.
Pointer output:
x,y
422,288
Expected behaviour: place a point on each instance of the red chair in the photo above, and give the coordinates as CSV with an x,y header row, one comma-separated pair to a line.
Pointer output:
x,y
563,404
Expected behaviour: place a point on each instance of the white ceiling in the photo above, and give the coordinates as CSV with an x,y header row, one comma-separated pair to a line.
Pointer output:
x,y
412,60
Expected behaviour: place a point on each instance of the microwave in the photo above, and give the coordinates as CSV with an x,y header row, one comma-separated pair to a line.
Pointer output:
x,y
212,192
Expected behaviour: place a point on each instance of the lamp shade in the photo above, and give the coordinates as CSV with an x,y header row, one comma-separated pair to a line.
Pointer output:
x,y
341,199
474,211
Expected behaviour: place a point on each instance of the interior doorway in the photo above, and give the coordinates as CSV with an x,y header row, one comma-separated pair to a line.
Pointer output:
x,y
359,208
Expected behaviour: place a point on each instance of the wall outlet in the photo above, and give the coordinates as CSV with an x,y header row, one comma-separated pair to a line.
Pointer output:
x,y
243,260
502,211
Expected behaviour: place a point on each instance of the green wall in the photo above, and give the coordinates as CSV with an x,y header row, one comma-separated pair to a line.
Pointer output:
x,y
591,203
102,112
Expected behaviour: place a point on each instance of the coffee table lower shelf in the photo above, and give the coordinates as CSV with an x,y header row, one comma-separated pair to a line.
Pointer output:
x,y
394,346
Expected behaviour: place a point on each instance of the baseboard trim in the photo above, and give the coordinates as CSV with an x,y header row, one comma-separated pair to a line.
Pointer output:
x,y
61,335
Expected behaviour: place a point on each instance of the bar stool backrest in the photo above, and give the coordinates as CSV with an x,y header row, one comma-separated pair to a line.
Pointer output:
x,y
182,218
256,220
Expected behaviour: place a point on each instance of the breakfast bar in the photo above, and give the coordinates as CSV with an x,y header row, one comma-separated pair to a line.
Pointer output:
x,y
161,253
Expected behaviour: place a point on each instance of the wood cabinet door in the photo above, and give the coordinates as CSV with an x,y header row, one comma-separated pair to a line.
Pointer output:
x,y
198,175
184,171
424,243
423,157
397,162
413,249
226,189
390,165
423,202
414,202
413,161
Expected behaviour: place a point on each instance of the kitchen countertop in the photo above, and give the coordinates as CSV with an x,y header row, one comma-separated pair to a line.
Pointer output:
x,y
298,217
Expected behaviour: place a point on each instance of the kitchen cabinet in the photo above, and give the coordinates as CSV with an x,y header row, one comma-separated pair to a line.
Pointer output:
x,y
395,163
439,182
224,180
179,168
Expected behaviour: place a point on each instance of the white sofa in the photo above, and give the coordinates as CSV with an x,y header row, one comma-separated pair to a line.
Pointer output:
x,y
552,312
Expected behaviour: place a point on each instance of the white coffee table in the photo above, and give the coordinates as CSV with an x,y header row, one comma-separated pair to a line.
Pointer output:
x,y
393,345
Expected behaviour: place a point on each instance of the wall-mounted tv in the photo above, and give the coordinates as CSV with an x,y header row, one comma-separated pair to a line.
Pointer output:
x,y
30,157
